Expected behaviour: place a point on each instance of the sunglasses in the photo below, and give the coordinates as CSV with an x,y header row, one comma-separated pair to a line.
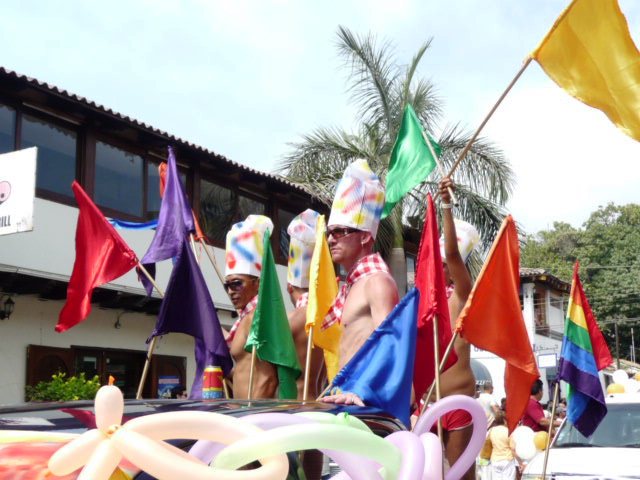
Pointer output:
x,y
233,285
338,233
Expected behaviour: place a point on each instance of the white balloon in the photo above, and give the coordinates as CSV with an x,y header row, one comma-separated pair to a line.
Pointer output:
x,y
620,376
522,434
631,385
526,449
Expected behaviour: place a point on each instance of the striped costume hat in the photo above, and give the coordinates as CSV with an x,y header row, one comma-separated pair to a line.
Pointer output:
x,y
244,245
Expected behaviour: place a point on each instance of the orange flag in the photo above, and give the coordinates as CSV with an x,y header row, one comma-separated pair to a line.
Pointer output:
x,y
492,320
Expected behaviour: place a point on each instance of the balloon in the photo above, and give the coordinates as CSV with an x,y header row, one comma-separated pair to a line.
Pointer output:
x,y
522,433
637,376
526,449
432,456
540,440
631,385
412,454
620,376
291,438
615,388
479,418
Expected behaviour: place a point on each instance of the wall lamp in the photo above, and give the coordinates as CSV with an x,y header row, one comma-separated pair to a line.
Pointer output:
x,y
7,308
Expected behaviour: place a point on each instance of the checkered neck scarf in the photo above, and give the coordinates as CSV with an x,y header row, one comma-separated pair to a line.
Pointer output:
x,y
303,300
363,268
249,307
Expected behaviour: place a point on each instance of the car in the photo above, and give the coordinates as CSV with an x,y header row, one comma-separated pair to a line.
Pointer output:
x,y
613,451
47,426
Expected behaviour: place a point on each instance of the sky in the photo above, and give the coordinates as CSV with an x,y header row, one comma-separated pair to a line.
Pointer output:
x,y
247,77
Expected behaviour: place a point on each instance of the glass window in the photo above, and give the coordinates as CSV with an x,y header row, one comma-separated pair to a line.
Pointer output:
x,y
7,129
411,270
56,168
153,189
221,207
118,180
284,219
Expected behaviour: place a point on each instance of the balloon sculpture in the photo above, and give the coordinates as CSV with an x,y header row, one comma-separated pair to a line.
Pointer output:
x,y
227,443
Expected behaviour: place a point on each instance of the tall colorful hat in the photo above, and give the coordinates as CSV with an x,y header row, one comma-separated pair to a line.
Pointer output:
x,y
467,236
244,245
359,199
302,233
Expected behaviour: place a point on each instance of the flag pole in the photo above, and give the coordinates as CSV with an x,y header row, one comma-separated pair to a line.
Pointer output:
x,y
152,344
212,260
436,354
324,392
553,414
437,160
307,366
253,366
467,147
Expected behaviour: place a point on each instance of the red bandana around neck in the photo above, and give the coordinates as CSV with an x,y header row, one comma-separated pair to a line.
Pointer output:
x,y
303,300
249,307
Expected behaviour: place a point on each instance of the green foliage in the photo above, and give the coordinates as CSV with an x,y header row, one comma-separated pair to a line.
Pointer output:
x,y
608,249
60,388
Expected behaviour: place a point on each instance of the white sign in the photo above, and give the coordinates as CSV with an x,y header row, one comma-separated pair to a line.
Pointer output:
x,y
17,190
547,360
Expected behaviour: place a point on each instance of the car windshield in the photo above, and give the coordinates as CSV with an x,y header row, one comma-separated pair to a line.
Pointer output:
x,y
619,428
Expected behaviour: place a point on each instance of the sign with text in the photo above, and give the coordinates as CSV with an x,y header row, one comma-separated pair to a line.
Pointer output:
x,y
547,360
17,190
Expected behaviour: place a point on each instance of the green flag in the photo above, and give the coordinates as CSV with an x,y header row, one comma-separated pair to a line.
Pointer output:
x,y
411,160
270,332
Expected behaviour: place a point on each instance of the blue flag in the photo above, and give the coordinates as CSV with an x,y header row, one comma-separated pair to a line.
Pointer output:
x,y
187,308
381,372
175,222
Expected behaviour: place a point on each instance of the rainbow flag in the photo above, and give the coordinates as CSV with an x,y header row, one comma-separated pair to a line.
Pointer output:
x,y
584,353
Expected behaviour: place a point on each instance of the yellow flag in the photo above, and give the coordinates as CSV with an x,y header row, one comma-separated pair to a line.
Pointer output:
x,y
323,289
590,54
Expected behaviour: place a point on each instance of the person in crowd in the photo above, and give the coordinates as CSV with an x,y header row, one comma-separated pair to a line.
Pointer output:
x,y
242,279
503,461
488,402
369,292
534,416
302,234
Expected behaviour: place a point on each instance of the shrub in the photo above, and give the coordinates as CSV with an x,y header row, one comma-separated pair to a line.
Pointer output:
x,y
60,388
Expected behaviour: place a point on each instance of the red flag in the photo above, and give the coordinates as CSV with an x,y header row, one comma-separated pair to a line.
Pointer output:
x,y
433,302
101,256
492,320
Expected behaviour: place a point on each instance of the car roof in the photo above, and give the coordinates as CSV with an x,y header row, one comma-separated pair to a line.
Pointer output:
x,y
622,398
78,416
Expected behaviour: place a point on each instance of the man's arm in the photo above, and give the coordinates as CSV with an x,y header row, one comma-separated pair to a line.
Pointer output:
x,y
457,270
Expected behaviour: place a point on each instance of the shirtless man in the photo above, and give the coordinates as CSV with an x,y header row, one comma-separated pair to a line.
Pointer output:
x,y
458,379
369,292
302,234
243,264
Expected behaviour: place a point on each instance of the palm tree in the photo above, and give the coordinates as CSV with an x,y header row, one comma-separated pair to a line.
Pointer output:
x,y
381,89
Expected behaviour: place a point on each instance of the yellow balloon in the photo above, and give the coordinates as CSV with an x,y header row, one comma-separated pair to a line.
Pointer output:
x,y
615,388
540,440
637,376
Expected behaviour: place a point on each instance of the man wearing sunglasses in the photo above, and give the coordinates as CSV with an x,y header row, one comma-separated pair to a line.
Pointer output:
x,y
243,263
369,292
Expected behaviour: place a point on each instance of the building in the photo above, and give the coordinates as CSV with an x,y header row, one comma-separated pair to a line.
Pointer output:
x,y
115,158
544,299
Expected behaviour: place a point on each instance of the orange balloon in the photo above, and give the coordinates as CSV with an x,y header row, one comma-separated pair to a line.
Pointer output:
x,y
615,388
540,440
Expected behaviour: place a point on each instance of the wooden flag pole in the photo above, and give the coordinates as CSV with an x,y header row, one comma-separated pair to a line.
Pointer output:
x,y
212,259
152,344
467,147
307,366
553,415
436,355
324,392
253,366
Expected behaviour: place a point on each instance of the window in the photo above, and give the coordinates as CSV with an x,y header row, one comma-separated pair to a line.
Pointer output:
x,y
7,129
153,189
411,270
221,207
56,168
284,219
118,180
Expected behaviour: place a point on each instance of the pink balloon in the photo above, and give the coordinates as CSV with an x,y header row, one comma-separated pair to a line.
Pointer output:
x,y
412,454
432,456
479,422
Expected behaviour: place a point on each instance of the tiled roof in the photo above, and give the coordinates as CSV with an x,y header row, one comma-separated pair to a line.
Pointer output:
x,y
125,118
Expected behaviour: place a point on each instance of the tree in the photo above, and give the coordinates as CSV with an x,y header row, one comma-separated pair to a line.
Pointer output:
x,y
608,249
381,88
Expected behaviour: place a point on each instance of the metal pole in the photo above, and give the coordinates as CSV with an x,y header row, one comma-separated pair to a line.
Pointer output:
x,y
617,344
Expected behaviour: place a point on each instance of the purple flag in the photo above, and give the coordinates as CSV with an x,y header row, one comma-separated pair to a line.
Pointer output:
x,y
174,223
187,308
